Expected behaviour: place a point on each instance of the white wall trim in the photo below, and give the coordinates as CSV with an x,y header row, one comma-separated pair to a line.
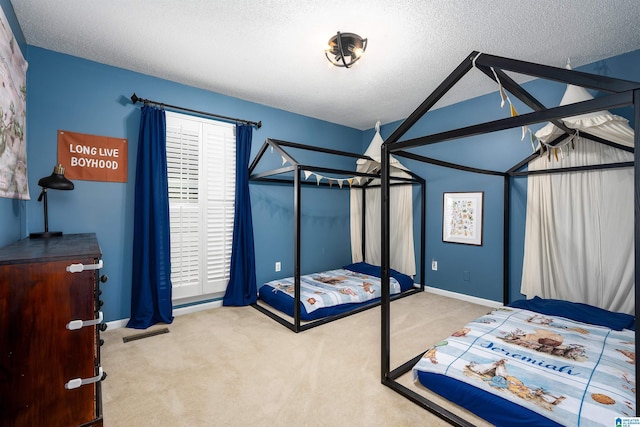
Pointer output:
x,y
115,324
196,308
468,298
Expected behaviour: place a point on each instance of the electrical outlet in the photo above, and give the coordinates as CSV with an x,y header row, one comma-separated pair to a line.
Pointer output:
x,y
278,266
434,265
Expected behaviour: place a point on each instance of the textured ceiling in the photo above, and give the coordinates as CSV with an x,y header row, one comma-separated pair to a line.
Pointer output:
x,y
271,51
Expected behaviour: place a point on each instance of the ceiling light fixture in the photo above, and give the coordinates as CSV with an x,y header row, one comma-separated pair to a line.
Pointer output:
x,y
344,45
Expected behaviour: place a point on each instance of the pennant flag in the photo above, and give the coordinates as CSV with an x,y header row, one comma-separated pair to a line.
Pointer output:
x,y
330,182
350,181
503,95
319,178
283,160
514,113
340,182
306,174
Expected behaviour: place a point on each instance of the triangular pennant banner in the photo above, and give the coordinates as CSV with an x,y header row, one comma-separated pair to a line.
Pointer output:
x,y
340,182
319,178
503,95
283,160
306,174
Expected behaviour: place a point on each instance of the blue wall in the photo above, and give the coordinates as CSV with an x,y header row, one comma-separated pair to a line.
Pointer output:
x,y
497,151
68,93
13,214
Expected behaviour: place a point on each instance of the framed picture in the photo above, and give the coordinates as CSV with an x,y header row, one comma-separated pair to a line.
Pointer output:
x,y
462,218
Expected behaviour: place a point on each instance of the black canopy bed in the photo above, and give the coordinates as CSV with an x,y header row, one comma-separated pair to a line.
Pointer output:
x,y
490,379
317,298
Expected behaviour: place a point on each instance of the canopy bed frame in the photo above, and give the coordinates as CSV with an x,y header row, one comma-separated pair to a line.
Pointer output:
x,y
619,93
292,174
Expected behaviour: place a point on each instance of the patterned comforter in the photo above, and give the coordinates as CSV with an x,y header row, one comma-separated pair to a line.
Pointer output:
x,y
334,287
571,372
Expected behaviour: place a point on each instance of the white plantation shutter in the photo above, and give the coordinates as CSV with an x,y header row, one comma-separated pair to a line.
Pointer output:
x,y
183,149
201,172
221,180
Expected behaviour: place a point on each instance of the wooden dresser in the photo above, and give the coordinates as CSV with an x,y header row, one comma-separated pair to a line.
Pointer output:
x,y
50,323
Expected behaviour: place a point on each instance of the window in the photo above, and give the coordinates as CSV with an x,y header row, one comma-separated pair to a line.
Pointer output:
x,y
201,170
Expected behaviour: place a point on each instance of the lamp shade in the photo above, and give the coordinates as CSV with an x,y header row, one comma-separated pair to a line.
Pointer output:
x,y
57,180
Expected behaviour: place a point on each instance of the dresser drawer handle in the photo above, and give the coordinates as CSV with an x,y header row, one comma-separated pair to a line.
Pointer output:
x,y
77,382
77,268
77,324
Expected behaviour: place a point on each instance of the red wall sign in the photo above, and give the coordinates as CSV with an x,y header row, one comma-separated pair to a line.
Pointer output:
x,y
93,158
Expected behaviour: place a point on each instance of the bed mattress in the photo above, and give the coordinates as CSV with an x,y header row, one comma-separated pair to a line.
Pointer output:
x,y
515,366
332,292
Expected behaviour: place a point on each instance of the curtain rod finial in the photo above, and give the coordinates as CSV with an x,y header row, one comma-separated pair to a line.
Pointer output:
x,y
134,98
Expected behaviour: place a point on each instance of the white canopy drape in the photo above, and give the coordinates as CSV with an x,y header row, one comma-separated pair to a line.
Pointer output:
x,y
402,256
579,227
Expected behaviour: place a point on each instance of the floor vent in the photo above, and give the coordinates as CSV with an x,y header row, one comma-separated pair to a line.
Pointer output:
x,y
145,335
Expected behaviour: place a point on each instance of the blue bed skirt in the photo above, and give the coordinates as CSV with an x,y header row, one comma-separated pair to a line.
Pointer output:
x,y
284,303
492,408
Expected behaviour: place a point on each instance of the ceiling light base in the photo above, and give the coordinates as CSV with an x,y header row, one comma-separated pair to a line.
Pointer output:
x,y
343,46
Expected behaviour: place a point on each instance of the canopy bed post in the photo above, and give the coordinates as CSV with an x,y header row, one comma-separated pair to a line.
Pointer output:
x,y
636,192
364,222
385,262
296,247
423,221
505,239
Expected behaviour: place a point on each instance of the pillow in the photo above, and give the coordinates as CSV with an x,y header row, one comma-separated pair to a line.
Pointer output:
x,y
405,281
578,311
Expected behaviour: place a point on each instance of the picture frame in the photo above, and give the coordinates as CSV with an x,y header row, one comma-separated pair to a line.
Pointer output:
x,y
462,216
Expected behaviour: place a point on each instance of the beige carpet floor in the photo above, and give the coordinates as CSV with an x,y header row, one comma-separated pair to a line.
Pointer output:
x,y
234,366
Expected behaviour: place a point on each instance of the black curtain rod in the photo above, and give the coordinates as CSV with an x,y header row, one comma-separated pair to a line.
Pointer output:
x,y
135,99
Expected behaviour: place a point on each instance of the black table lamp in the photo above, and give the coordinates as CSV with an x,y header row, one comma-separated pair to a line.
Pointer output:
x,y
55,181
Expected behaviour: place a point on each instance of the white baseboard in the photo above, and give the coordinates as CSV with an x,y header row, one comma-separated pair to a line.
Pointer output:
x,y
197,307
115,324
463,297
